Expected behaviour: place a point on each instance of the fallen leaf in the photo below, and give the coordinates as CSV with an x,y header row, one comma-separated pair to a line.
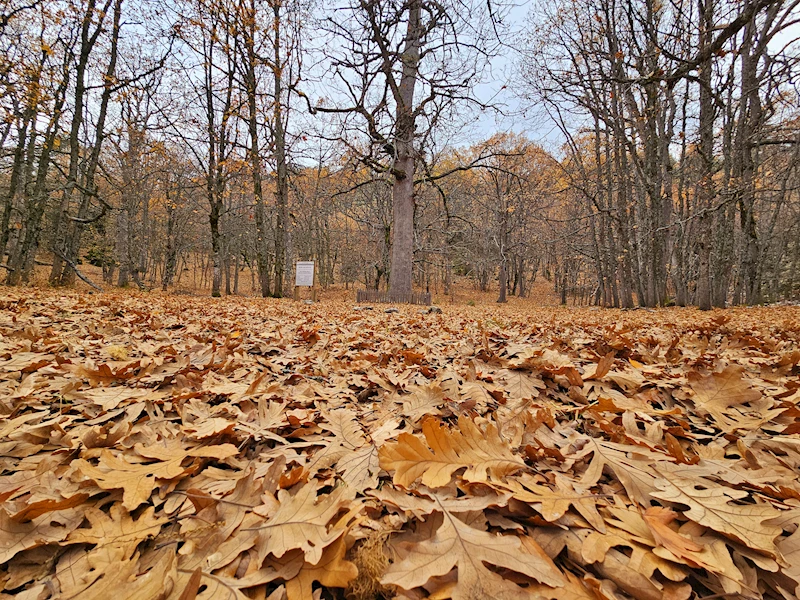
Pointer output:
x,y
482,454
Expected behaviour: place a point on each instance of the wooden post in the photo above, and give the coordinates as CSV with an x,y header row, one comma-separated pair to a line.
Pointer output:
x,y
314,287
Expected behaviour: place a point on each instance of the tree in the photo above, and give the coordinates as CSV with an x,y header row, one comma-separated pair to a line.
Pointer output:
x,y
48,81
641,78
81,176
402,68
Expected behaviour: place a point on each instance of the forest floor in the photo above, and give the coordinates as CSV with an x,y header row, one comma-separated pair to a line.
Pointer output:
x,y
170,446
463,292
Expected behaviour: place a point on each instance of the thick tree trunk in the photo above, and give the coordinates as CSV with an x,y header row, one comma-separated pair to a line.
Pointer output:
x,y
283,224
21,260
402,227
123,251
745,167
250,58
17,172
502,297
216,250
705,187
400,277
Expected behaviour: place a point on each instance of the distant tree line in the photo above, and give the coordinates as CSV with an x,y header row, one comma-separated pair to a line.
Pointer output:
x,y
207,143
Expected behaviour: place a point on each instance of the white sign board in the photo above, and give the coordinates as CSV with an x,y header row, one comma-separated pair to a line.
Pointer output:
x,y
304,276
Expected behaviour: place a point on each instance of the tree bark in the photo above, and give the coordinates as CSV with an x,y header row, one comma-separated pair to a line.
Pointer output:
x,y
251,84
705,187
283,224
400,277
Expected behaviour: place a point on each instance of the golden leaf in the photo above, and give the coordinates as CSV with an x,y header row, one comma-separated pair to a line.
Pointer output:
x,y
457,545
482,455
710,505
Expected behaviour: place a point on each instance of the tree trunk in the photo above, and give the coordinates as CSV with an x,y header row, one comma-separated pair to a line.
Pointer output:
x,y
62,272
171,258
282,230
22,259
705,188
17,172
216,250
503,281
400,277
251,59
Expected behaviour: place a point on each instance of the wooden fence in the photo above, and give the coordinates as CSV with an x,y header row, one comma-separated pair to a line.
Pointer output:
x,y
389,298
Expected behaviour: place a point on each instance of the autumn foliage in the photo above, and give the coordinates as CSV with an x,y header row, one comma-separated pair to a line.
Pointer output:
x,y
172,447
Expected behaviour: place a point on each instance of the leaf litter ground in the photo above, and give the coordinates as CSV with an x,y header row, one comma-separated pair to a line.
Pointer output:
x,y
165,447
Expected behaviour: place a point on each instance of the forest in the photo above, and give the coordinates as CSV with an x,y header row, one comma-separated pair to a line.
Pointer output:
x,y
552,344
628,152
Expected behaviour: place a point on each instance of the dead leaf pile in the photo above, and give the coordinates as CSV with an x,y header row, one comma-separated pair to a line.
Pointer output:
x,y
177,448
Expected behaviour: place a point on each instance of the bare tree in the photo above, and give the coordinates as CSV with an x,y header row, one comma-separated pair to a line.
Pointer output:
x,y
401,68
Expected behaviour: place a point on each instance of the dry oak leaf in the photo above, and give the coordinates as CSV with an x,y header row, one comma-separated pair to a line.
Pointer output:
x,y
456,544
360,468
103,374
716,393
658,519
632,465
46,529
790,549
710,505
573,589
138,480
348,437
209,427
135,579
41,507
714,557
332,571
422,505
603,367
218,586
26,362
260,423
301,522
117,529
482,454
423,400
631,570
521,385
554,503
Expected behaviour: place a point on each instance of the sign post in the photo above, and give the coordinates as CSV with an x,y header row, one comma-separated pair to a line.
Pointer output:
x,y
305,277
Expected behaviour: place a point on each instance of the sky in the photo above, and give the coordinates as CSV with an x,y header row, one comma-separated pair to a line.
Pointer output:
x,y
502,87
519,116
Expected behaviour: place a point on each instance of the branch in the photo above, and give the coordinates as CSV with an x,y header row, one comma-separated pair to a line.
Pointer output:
x,y
730,30
74,267
476,163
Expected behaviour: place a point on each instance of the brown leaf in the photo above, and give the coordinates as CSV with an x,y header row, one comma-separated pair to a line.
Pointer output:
x,y
457,545
332,570
302,521
710,505
37,509
138,480
658,519
42,530
192,586
718,393
482,454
